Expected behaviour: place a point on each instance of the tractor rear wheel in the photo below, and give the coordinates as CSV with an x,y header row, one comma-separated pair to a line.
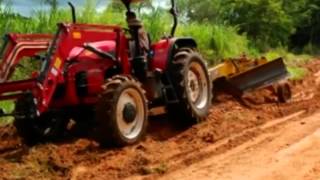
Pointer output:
x,y
190,78
121,113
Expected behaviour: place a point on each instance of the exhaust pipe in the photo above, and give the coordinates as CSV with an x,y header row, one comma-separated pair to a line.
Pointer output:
x,y
73,11
173,12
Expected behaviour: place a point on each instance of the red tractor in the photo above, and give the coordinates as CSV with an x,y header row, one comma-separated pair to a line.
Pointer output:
x,y
110,77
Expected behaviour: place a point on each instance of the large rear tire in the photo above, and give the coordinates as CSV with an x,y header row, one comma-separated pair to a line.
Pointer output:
x,y
121,113
192,85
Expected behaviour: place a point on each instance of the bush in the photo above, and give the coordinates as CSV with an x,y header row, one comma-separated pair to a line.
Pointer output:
x,y
217,41
157,23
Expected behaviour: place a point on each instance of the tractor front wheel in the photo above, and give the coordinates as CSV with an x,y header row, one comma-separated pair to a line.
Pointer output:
x,y
32,130
121,113
40,129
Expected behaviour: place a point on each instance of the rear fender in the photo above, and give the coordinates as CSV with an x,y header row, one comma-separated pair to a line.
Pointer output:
x,y
164,51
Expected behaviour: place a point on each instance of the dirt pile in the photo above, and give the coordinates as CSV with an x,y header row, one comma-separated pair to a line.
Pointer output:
x,y
165,149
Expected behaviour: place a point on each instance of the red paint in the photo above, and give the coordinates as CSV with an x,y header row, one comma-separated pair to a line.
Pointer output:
x,y
161,54
19,46
17,86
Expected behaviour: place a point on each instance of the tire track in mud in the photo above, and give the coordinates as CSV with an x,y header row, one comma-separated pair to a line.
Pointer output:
x,y
227,146
288,152
303,103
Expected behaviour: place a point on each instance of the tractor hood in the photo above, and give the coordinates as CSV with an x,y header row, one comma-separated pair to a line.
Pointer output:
x,y
82,53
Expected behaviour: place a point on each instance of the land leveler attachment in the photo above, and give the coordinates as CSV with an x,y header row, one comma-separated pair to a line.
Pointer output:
x,y
238,76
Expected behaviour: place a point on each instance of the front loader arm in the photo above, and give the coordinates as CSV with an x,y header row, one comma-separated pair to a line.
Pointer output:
x,y
14,90
17,46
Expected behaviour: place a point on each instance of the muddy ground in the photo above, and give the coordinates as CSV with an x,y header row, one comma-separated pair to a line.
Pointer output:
x,y
171,153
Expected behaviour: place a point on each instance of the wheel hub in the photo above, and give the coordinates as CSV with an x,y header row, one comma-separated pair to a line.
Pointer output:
x,y
194,86
197,85
129,113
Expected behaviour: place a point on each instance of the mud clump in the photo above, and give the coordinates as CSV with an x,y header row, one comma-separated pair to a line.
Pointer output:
x,y
9,140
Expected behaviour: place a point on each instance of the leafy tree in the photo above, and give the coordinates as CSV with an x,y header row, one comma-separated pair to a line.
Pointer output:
x,y
268,23
264,21
117,5
1,4
204,10
308,26
53,4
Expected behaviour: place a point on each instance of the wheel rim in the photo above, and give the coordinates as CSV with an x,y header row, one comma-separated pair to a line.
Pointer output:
x,y
197,85
130,129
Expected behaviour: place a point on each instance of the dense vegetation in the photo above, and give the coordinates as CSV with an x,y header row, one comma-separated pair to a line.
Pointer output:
x,y
223,28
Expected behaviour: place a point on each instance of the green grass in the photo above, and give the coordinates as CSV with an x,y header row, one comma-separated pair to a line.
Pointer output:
x,y
293,59
297,73
294,62
217,42
7,107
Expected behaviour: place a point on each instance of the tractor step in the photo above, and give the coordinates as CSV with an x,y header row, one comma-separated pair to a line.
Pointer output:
x,y
156,111
170,95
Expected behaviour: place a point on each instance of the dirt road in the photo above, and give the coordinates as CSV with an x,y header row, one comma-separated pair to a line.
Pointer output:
x,y
259,140
290,151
